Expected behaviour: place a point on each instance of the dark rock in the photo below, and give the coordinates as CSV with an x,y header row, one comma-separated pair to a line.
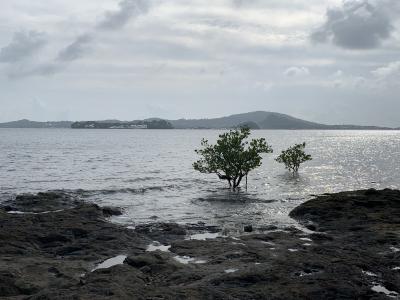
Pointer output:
x,y
109,211
311,227
371,192
269,228
51,238
248,228
8,287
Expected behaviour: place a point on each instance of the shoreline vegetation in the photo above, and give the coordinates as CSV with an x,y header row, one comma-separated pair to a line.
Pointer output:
x,y
252,120
54,246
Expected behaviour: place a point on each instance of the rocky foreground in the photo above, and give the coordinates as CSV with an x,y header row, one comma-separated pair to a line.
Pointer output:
x,y
57,247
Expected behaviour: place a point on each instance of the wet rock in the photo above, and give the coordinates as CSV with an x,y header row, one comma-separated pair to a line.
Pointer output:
x,y
41,202
162,232
50,256
153,263
41,251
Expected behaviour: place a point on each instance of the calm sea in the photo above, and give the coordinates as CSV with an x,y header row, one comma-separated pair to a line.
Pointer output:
x,y
149,172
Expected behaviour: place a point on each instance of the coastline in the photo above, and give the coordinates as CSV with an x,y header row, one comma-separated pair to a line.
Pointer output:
x,y
54,246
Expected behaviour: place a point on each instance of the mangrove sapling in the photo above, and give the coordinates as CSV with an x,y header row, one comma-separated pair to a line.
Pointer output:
x,y
293,157
232,157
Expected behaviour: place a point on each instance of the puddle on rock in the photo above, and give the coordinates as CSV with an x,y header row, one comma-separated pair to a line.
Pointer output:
x,y
381,289
157,246
231,271
306,239
307,273
268,243
200,261
240,244
368,273
117,260
187,259
203,236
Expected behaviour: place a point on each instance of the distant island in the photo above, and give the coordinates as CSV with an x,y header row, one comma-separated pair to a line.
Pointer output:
x,y
253,120
33,124
146,124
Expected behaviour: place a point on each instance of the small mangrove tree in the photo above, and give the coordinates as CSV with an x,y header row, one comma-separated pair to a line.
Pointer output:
x,y
293,157
232,157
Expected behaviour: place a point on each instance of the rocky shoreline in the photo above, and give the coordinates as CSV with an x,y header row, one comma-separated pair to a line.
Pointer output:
x,y
54,246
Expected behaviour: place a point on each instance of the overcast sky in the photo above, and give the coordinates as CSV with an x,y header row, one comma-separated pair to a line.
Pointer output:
x,y
329,61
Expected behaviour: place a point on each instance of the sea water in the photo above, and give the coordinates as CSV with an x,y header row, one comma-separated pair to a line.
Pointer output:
x,y
149,173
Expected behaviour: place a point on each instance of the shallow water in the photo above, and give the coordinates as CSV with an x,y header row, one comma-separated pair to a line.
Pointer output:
x,y
149,172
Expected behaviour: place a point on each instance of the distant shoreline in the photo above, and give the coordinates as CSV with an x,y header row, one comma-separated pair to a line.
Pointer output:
x,y
253,120
219,129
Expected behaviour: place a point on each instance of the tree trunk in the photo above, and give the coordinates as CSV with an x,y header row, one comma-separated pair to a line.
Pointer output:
x,y
240,179
234,182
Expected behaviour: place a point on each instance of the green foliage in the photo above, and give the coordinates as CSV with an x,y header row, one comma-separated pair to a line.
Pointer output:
x,y
293,157
232,157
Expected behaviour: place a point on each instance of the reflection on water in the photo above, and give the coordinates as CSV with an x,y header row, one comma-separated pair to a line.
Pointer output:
x,y
149,172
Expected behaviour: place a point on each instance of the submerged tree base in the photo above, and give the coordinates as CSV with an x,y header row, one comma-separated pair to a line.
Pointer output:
x,y
51,245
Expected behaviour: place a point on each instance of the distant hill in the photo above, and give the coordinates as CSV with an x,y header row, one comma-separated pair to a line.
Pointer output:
x,y
264,120
33,124
253,120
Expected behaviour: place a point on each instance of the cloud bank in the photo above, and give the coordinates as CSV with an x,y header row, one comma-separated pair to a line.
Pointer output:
x,y
364,24
196,58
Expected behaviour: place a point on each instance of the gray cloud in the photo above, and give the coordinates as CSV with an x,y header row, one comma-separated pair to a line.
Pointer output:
x,y
113,20
76,49
127,10
363,24
44,69
23,45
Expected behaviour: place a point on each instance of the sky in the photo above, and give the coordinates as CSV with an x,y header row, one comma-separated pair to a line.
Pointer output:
x,y
332,61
